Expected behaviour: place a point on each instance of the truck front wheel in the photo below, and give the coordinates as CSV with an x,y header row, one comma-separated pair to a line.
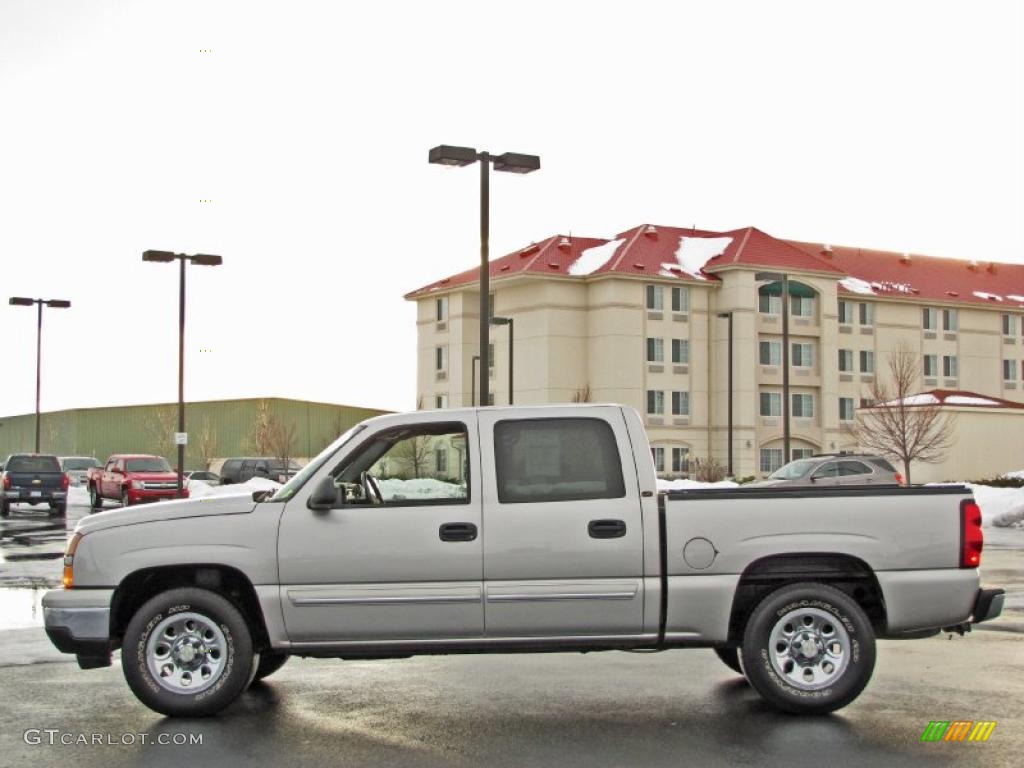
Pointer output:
x,y
187,653
731,658
270,662
808,648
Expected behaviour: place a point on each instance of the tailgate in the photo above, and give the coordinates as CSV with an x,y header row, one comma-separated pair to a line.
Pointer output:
x,y
35,481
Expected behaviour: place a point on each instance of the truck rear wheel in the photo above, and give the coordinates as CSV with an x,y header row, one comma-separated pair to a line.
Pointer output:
x,y
808,648
5,508
95,500
731,658
187,653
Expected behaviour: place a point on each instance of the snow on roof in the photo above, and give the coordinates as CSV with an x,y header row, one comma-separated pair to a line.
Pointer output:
x,y
856,285
592,259
951,397
694,252
989,296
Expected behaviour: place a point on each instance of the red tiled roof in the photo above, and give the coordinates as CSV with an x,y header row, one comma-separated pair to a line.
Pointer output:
x,y
753,248
898,275
955,398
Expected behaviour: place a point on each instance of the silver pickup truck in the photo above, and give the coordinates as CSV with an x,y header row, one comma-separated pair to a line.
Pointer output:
x,y
514,529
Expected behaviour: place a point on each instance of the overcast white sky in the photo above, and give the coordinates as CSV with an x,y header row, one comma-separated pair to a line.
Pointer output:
x,y
883,124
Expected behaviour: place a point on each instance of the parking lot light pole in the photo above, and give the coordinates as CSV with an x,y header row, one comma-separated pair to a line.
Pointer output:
x,y
21,301
510,162
510,322
784,279
201,259
728,315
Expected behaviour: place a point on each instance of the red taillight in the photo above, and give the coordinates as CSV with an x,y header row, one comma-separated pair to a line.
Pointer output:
x,y
971,537
65,481
7,483
900,480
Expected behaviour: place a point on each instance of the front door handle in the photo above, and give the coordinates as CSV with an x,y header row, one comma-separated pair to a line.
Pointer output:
x,y
457,532
606,529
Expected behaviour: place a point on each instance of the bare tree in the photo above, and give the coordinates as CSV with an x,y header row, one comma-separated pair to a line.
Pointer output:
x,y
52,437
709,470
260,436
582,395
415,454
281,439
207,443
899,425
160,431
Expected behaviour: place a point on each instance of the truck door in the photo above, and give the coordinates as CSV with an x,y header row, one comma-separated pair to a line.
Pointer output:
x,y
563,538
401,558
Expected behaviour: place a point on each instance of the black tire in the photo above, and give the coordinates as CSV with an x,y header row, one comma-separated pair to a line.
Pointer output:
x,y
95,500
238,662
5,508
841,618
125,501
270,662
59,510
731,658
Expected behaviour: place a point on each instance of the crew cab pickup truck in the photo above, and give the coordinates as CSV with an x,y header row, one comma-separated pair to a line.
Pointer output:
x,y
32,478
514,529
133,478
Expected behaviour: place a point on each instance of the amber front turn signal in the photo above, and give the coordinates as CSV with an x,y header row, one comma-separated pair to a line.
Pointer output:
x,y
69,561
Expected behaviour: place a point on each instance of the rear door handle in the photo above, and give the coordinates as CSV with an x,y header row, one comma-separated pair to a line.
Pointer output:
x,y
457,532
606,529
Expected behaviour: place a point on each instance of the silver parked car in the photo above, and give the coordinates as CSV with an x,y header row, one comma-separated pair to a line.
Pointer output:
x,y
835,469
78,467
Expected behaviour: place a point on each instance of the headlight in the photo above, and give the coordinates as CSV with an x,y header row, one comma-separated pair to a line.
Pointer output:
x,y
138,485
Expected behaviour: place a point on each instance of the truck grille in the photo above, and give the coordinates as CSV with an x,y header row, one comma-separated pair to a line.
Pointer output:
x,y
159,486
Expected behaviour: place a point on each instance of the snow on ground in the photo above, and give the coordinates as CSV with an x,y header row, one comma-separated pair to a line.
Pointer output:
x,y
592,259
422,488
1000,507
688,485
198,489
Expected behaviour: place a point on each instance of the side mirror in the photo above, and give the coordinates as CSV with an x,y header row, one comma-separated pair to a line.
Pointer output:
x,y
324,496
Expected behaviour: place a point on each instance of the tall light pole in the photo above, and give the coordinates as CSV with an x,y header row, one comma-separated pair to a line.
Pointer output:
x,y
729,316
21,301
201,259
510,162
510,322
784,279
472,389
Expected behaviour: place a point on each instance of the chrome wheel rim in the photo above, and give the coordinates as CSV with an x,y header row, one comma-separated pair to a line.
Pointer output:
x,y
186,653
809,648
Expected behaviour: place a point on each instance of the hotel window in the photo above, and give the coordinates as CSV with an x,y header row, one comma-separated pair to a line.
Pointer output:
x,y
949,319
655,402
655,297
802,453
680,299
803,355
490,305
846,409
930,319
801,306
931,366
680,459
681,351
803,406
658,454
771,404
655,350
1009,325
866,402
441,358
680,403
490,355
846,312
771,352
867,313
440,401
1009,370
950,366
441,460
769,305
846,360
771,459
441,308
867,361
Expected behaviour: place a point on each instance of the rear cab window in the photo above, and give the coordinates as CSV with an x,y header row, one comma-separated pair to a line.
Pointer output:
x,y
33,464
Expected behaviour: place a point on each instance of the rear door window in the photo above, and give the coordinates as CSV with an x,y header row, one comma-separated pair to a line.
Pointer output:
x,y
883,464
548,460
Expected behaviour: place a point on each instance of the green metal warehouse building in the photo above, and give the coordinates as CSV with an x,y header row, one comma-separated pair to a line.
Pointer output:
x,y
217,429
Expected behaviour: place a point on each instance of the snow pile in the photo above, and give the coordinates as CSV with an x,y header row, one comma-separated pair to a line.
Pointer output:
x,y
689,485
694,252
592,259
1015,297
964,400
197,489
989,296
925,398
78,496
856,285
420,488
1000,507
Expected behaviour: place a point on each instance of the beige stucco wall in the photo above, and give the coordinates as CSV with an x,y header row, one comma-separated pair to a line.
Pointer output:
x,y
989,442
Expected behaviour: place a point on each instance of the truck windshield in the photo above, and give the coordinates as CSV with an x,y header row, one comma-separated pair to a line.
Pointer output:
x,y
793,471
33,464
290,488
150,464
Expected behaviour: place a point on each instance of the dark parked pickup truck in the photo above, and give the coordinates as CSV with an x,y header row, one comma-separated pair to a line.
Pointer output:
x,y
30,478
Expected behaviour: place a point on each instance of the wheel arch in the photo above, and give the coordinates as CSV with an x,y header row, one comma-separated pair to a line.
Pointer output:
x,y
848,573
